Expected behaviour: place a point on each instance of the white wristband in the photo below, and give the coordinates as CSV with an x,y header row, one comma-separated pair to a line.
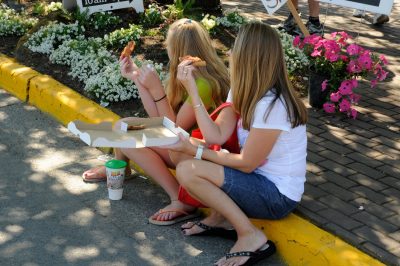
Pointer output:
x,y
199,152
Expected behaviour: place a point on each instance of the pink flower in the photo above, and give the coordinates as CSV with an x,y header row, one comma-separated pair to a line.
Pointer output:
x,y
324,84
344,106
353,49
344,58
335,97
382,75
312,39
353,67
353,113
383,59
354,83
296,40
316,53
365,61
344,35
329,107
346,87
355,97
373,83
332,57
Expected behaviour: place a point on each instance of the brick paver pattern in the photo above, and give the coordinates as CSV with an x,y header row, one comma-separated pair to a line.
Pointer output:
x,y
353,166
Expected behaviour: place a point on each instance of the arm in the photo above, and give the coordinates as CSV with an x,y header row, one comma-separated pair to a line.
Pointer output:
x,y
130,71
256,149
156,93
213,132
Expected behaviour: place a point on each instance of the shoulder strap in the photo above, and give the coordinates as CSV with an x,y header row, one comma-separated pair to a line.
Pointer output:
x,y
219,108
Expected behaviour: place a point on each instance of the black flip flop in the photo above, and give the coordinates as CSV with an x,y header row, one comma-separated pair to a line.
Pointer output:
x,y
215,231
255,256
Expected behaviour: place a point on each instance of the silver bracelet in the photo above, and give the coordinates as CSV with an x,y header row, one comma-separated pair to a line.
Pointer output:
x,y
199,152
197,105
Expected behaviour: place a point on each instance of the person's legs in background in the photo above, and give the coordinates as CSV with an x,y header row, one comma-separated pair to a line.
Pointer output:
x,y
313,24
289,24
378,19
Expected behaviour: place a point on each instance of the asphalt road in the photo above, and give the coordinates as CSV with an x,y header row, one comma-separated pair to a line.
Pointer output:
x,y
48,216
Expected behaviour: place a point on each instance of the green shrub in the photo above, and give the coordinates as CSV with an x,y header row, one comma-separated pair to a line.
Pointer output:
x,y
178,10
43,9
99,20
152,16
121,37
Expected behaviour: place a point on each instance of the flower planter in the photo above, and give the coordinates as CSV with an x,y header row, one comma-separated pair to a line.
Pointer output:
x,y
316,97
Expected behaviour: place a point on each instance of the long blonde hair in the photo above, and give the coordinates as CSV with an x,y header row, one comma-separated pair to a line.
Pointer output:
x,y
257,65
188,37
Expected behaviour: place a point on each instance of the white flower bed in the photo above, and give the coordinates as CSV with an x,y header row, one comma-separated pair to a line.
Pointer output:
x,y
49,37
93,64
109,86
12,23
85,57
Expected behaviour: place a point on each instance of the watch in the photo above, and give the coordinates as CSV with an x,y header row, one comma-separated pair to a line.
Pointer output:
x,y
199,152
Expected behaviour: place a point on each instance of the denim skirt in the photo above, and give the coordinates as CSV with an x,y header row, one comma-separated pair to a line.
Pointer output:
x,y
256,195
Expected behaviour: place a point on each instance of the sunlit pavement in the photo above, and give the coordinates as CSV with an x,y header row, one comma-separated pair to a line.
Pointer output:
x,y
48,216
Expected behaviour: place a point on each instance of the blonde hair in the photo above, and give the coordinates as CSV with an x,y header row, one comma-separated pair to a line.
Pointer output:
x,y
188,37
257,65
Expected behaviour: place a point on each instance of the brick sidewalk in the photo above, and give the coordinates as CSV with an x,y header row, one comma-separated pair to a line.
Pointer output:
x,y
353,177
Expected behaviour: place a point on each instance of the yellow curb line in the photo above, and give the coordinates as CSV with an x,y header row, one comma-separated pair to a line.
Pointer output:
x,y
298,241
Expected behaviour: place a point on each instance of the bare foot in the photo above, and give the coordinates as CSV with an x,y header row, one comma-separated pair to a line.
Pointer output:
x,y
165,215
213,220
98,174
251,241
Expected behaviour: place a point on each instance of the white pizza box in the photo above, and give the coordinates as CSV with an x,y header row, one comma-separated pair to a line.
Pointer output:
x,y
158,131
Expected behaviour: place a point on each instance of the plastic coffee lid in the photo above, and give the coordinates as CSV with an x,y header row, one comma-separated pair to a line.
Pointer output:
x,y
116,164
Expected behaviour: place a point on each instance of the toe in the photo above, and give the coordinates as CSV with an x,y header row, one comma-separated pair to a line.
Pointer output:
x,y
187,225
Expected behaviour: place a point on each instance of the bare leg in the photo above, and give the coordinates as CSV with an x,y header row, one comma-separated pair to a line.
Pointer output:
x,y
99,172
155,162
203,179
313,7
214,220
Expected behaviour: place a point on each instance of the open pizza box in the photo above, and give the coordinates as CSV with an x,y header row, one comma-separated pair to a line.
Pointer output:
x,y
157,131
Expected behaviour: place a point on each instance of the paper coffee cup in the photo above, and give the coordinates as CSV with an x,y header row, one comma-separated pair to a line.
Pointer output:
x,y
115,170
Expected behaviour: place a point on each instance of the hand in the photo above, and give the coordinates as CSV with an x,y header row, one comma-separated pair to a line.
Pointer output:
x,y
186,77
128,69
148,76
183,145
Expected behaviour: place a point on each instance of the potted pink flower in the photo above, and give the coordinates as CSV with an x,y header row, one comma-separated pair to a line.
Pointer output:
x,y
340,63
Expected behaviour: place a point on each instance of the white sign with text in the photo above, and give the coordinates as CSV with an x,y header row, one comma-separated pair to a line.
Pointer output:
x,y
273,5
94,6
374,6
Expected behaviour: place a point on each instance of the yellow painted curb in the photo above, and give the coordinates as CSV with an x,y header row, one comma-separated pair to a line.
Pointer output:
x,y
299,242
65,104
15,77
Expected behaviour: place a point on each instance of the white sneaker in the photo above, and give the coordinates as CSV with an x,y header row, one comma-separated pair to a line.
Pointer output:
x,y
358,13
379,19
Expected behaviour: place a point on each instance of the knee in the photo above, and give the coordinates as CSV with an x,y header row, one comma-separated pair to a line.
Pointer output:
x,y
174,156
185,172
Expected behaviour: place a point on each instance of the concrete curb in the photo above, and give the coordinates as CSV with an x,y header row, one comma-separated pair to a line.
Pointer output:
x,y
298,241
